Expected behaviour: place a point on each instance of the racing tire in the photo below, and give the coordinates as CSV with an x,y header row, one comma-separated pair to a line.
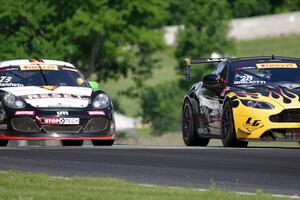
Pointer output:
x,y
189,135
228,129
72,142
3,143
103,142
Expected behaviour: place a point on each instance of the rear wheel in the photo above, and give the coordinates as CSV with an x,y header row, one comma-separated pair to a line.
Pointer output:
x,y
3,143
103,142
228,129
189,134
72,142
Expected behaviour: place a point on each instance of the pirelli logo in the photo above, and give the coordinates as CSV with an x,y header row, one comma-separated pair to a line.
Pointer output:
x,y
38,67
276,65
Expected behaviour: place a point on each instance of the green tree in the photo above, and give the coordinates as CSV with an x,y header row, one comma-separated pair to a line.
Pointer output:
x,y
162,107
106,37
205,30
242,8
287,6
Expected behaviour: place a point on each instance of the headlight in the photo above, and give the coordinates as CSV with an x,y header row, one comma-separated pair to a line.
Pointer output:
x,y
101,101
257,104
11,101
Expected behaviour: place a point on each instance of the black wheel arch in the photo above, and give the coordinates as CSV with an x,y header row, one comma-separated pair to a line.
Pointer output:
x,y
194,101
192,98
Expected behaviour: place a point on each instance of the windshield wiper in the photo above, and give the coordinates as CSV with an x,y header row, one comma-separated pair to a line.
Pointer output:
x,y
43,75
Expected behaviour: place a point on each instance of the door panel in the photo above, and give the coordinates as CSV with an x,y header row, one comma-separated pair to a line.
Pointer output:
x,y
210,110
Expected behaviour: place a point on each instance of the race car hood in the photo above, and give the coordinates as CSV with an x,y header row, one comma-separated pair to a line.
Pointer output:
x,y
53,96
287,95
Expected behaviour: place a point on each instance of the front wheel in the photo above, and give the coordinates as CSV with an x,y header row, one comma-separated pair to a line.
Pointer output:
x,y
103,142
3,143
189,135
72,142
228,129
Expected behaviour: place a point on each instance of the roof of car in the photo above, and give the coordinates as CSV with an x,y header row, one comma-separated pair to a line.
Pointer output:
x,y
34,61
275,58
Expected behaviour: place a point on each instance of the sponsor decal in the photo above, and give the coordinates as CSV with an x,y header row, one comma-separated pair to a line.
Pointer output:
x,y
244,68
49,87
24,112
247,79
62,113
57,95
11,85
57,120
276,65
38,67
5,81
252,124
96,112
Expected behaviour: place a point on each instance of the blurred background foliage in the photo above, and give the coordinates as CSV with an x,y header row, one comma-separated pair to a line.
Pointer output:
x,y
120,44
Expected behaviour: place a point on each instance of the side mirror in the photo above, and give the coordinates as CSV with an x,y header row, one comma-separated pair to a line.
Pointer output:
x,y
211,80
94,85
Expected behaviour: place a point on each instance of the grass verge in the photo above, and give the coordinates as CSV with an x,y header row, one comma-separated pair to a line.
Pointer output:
x,y
19,185
288,45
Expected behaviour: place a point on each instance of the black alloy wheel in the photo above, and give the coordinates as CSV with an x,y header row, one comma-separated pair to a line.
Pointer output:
x,y
228,129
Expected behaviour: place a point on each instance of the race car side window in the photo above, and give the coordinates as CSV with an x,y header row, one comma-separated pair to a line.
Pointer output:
x,y
219,69
224,72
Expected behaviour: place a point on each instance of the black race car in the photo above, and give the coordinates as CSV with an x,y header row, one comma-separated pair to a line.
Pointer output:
x,y
244,99
51,100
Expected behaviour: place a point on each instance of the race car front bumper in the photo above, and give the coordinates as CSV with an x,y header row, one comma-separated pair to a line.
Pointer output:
x,y
48,125
267,125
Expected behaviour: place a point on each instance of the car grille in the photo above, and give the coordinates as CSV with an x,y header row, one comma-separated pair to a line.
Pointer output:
x,y
282,134
62,128
287,115
24,124
96,125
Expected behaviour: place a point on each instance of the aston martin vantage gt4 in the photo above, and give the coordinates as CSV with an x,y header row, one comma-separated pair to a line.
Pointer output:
x,y
243,99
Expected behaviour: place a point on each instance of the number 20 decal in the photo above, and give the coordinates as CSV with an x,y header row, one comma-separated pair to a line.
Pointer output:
x,y
246,78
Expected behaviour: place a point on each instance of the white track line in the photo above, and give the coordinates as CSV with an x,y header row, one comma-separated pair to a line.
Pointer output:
x,y
207,190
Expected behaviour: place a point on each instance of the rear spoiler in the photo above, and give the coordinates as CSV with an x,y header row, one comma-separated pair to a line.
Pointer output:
x,y
189,62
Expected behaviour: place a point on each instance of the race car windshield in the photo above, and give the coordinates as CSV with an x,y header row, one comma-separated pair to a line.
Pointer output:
x,y
19,78
256,72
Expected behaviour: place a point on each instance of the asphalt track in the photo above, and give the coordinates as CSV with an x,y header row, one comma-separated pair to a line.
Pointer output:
x,y
274,170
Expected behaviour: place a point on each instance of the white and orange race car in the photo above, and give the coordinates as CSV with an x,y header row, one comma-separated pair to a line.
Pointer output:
x,y
51,100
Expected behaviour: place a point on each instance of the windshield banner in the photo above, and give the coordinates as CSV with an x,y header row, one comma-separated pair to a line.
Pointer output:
x,y
276,65
38,67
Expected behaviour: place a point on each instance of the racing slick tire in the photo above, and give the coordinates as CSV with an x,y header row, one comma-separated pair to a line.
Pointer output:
x,y
3,143
189,134
228,129
103,142
72,142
